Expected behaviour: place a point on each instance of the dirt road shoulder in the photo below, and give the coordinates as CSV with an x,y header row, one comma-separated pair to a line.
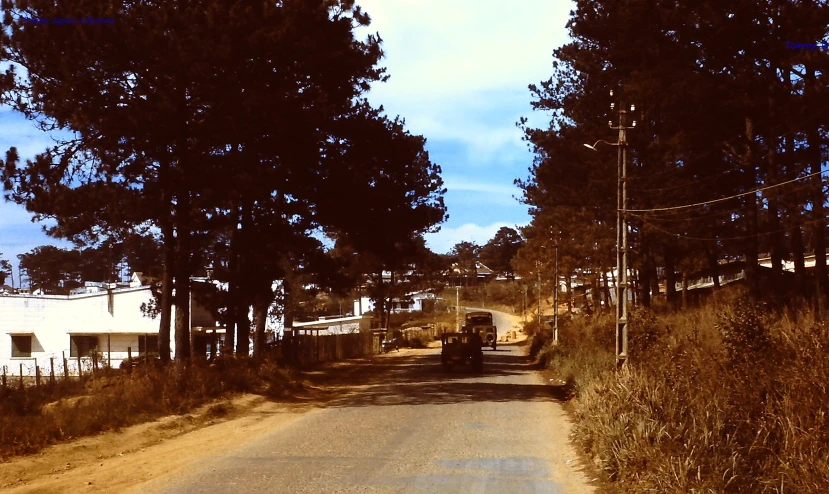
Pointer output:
x,y
118,461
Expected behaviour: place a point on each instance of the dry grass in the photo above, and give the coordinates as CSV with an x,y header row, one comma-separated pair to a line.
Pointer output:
x,y
731,397
33,418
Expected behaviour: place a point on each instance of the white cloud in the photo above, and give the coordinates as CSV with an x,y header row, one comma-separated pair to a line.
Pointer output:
x,y
435,47
443,241
453,62
454,183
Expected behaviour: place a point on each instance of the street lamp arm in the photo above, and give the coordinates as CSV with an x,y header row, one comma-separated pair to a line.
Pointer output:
x,y
593,147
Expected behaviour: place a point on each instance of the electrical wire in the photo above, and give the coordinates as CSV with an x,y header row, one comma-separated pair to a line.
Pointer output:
x,y
720,239
671,215
714,201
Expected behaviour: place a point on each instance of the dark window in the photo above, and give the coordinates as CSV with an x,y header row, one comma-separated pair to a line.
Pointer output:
x,y
82,346
147,344
22,346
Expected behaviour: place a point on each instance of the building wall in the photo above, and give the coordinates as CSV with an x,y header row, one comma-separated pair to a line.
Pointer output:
x,y
115,319
367,306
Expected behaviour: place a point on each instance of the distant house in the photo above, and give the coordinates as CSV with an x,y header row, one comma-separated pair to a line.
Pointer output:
x,y
334,325
411,302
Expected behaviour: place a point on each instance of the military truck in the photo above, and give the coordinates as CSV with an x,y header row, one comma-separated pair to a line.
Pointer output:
x,y
480,323
461,349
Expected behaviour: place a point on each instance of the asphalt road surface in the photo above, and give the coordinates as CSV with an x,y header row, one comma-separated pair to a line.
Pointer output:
x,y
400,424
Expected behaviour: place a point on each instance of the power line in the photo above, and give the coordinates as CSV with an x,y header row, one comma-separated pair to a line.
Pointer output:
x,y
686,206
672,215
719,239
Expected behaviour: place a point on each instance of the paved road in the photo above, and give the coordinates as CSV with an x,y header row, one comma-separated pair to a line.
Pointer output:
x,y
400,424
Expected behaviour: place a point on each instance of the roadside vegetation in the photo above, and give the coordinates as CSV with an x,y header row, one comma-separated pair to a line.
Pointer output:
x,y
35,417
729,397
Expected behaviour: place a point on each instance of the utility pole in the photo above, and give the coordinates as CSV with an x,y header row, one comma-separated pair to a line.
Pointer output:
x,y
538,268
457,308
555,299
524,312
621,231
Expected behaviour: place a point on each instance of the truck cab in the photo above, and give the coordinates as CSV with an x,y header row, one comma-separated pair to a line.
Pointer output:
x,y
461,349
480,323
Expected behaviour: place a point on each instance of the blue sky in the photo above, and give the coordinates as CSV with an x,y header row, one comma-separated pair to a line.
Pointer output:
x,y
459,74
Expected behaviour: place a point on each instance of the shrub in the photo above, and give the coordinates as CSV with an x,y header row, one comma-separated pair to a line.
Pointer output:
x,y
727,398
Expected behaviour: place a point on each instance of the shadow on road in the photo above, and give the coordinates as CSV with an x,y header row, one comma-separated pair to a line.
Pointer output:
x,y
420,379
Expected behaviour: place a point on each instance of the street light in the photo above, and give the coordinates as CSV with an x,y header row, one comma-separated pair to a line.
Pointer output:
x,y
621,232
593,147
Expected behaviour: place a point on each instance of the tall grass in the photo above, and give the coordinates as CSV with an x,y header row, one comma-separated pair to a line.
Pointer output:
x,y
731,397
33,418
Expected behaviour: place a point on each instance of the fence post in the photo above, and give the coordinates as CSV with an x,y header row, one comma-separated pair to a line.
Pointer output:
x,y
129,354
52,371
4,377
37,374
65,366
95,359
80,370
21,375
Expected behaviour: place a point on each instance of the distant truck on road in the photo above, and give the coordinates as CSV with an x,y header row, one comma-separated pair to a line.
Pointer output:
x,y
480,323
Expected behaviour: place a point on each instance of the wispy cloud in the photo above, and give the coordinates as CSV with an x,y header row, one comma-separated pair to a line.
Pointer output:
x,y
456,183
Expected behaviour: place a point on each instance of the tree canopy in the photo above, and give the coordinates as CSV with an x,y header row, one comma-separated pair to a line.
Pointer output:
x,y
232,130
726,105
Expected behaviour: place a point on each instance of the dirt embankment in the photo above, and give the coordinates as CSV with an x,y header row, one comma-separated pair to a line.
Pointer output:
x,y
118,461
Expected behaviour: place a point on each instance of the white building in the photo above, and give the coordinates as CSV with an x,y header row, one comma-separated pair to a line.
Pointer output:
x,y
415,301
335,325
38,329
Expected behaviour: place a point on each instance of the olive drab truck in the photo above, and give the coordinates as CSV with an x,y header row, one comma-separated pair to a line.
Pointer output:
x,y
480,323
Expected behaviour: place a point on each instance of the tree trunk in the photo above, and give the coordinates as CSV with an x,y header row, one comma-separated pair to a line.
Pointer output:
x,y
243,328
596,295
260,315
568,284
166,295
607,291
380,304
751,246
645,274
670,276
818,197
613,281
714,265
182,295
795,218
245,281
773,198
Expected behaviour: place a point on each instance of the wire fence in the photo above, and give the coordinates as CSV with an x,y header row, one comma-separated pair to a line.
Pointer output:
x,y
49,370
